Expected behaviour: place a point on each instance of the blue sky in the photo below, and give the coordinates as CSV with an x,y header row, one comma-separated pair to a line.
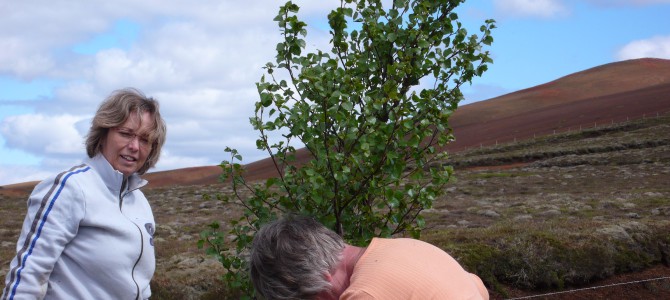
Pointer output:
x,y
202,62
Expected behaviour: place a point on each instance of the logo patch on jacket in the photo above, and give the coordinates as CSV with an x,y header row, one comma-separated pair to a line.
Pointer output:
x,y
150,230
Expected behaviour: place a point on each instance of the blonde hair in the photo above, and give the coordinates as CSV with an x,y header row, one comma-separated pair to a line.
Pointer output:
x,y
115,110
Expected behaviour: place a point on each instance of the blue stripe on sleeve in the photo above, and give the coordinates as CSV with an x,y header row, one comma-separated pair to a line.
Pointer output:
x,y
39,231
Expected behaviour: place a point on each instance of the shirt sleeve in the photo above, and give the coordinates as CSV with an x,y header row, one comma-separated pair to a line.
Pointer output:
x,y
480,286
55,209
354,294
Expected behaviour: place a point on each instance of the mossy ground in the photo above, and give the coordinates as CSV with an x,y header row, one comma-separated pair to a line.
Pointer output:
x,y
550,214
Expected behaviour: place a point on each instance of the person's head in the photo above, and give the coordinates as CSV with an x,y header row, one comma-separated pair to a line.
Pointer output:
x,y
128,130
292,256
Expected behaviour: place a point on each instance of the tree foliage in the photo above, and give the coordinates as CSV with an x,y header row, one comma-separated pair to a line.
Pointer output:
x,y
372,112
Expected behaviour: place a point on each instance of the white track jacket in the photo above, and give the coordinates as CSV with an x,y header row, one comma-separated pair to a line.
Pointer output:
x,y
88,234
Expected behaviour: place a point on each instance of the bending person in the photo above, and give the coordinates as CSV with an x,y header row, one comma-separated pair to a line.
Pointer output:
x,y
88,232
296,257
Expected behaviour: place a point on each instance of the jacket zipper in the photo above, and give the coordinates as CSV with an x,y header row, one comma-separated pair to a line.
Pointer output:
x,y
132,272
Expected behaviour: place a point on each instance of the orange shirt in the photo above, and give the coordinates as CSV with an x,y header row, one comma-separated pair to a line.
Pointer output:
x,y
410,269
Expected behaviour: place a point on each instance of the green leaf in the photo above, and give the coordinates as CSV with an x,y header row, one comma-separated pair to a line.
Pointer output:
x,y
348,106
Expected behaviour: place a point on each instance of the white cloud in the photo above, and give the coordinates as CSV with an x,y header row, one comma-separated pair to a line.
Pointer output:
x,y
657,47
531,8
627,2
18,58
209,104
20,173
115,68
43,134
168,161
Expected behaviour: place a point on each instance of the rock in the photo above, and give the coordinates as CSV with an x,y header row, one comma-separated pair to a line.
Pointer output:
x,y
615,232
522,217
489,213
185,237
653,194
463,223
551,212
633,215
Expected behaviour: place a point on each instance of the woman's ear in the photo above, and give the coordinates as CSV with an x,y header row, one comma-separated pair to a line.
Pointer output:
x,y
328,293
328,277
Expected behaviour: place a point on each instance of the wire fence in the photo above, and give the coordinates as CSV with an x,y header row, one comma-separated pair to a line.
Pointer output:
x,y
591,288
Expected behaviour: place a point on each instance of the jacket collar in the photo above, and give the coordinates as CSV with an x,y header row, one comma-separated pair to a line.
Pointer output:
x,y
113,178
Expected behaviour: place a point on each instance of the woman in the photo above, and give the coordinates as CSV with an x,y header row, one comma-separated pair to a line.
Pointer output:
x,y
88,233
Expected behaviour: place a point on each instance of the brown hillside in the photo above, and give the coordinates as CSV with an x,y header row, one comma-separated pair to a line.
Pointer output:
x,y
613,92
609,79
560,117
609,93
185,176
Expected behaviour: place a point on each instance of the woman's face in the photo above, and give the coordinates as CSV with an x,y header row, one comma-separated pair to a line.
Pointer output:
x,y
126,147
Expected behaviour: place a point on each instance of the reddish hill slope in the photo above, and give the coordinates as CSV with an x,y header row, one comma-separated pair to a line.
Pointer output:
x,y
609,93
561,117
609,79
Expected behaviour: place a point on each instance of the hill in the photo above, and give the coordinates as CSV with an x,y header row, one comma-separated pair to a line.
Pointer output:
x,y
605,94
610,93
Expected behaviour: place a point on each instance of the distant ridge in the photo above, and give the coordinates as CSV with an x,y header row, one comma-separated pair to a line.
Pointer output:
x,y
608,93
612,92
608,79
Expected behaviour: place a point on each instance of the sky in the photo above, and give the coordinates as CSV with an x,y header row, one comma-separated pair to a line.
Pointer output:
x,y
201,60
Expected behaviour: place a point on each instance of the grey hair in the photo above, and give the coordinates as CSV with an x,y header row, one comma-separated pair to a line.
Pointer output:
x,y
115,110
291,256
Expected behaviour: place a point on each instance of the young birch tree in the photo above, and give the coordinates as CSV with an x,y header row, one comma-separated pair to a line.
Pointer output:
x,y
372,112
